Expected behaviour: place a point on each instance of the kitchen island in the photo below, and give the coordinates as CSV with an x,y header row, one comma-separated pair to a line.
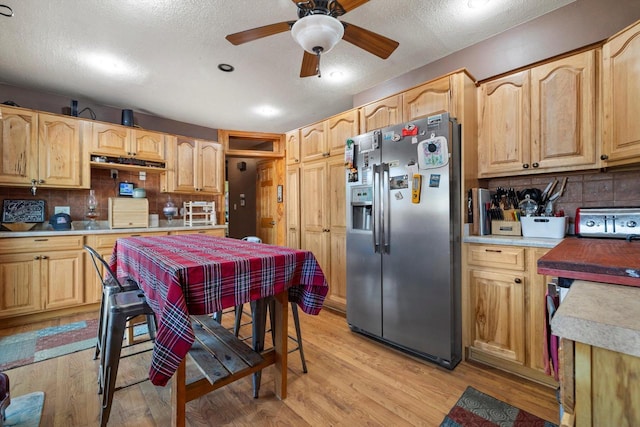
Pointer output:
x,y
599,328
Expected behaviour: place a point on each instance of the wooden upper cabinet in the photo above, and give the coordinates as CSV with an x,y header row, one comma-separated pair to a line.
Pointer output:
x,y
563,112
428,99
148,145
383,113
292,140
539,120
121,141
503,125
340,128
621,95
211,167
19,145
110,140
63,160
194,166
313,141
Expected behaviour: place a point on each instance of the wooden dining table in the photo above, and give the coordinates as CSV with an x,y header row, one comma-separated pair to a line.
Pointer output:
x,y
198,274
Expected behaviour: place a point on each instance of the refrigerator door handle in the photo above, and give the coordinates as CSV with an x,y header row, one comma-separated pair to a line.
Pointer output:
x,y
384,208
376,208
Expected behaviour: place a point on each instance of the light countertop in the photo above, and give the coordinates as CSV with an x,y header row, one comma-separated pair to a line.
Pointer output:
x,y
78,227
602,315
512,241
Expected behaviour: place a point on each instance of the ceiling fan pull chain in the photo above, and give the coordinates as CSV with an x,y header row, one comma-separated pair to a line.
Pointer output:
x,y
318,51
4,7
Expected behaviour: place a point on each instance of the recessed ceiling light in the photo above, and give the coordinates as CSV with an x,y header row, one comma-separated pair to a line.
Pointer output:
x,y
226,68
477,3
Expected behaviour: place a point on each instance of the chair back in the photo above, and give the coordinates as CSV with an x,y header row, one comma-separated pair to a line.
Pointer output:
x,y
252,239
108,279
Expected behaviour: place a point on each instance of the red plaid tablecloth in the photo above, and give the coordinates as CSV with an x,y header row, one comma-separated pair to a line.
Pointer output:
x,y
200,274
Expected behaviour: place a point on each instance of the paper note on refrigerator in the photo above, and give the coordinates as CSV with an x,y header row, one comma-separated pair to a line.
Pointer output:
x,y
433,152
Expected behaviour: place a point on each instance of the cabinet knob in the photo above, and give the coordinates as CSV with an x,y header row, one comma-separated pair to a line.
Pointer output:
x,y
526,166
604,157
41,181
36,257
517,280
535,165
44,257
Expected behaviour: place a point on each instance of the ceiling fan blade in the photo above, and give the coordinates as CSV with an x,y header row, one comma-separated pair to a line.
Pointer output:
x,y
349,5
374,43
260,32
310,63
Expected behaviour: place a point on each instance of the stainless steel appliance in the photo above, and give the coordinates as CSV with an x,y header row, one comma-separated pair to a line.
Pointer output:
x,y
403,237
617,223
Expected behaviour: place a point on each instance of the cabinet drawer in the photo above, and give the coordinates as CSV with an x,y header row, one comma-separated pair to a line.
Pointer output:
x,y
44,243
102,241
218,232
508,257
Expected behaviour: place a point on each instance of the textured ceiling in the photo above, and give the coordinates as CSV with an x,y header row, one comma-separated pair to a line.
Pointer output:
x,y
164,54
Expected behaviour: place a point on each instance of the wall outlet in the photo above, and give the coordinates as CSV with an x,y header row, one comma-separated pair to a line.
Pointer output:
x,y
143,176
62,209
114,173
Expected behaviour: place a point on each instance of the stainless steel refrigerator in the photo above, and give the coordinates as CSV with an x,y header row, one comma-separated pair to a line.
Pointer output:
x,y
403,237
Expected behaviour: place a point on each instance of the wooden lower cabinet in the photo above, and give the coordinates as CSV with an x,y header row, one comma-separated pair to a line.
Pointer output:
x,y
506,309
607,387
40,274
322,219
217,232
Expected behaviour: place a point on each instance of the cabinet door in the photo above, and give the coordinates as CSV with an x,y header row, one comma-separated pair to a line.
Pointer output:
x,y
18,146
503,126
620,93
498,321
19,285
110,140
318,243
341,128
337,296
383,113
210,165
62,158
536,309
313,197
292,204
425,100
185,166
563,113
293,147
61,273
313,141
148,145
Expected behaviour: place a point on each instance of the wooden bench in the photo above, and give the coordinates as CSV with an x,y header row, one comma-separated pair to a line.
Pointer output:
x,y
223,358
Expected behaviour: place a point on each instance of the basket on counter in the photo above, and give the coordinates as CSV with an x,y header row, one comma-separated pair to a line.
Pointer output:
x,y
548,227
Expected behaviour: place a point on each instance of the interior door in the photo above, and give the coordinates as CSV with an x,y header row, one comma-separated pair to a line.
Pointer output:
x,y
266,201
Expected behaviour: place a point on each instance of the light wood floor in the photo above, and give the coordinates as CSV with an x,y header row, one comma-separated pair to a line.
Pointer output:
x,y
352,381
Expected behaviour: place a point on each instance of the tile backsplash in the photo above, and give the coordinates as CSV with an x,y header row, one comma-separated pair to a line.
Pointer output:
x,y
584,189
104,187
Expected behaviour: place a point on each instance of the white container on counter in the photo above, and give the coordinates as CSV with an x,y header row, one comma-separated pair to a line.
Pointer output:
x,y
548,227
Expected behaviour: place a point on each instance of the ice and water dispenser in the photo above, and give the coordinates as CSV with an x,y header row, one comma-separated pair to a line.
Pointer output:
x,y
361,207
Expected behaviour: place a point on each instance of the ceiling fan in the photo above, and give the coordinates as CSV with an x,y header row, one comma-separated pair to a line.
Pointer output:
x,y
318,30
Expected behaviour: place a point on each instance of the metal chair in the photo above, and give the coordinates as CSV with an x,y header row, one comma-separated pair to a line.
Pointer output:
x,y
110,285
122,307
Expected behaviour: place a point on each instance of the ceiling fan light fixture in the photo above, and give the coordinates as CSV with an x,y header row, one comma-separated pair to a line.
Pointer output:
x,y
317,32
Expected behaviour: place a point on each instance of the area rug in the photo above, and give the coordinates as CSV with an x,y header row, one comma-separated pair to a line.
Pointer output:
x,y
35,346
476,409
25,411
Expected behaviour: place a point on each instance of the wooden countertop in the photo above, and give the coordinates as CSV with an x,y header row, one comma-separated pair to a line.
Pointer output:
x,y
601,260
